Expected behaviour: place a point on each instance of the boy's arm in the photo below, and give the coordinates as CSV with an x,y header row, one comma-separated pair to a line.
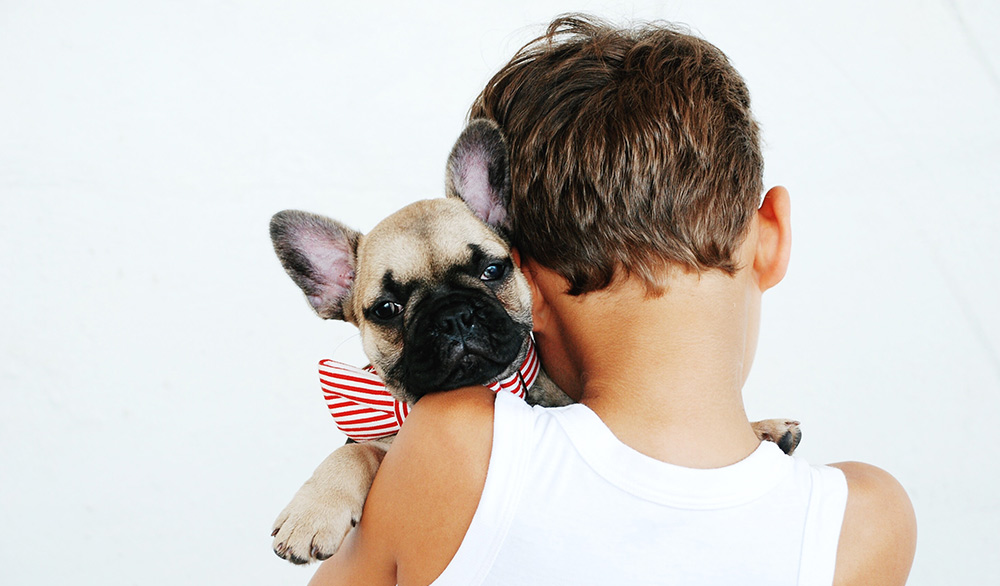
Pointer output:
x,y
361,559
424,495
879,535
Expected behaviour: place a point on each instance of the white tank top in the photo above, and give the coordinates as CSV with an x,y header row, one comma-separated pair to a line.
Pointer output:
x,y
565,502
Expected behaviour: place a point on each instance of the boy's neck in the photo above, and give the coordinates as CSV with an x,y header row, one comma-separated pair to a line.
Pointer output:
x,y
665,374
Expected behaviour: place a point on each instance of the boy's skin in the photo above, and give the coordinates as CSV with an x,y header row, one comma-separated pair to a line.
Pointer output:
x,y
665,374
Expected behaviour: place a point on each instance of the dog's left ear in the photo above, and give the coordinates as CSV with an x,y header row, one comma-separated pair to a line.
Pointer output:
x,y
479,173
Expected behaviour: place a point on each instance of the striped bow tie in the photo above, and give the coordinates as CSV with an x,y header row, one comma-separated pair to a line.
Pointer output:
x,y
363,409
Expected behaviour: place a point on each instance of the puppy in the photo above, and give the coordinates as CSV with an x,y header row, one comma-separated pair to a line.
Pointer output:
x,y
440,305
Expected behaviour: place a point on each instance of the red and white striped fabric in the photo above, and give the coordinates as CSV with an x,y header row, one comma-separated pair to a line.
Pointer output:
x,y
363,409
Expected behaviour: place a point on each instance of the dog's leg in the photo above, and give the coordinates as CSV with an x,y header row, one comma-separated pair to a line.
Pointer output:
x,y
784,432
329,504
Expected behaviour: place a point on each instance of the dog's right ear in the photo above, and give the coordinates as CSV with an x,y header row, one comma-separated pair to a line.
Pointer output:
x,y
479,173
319,255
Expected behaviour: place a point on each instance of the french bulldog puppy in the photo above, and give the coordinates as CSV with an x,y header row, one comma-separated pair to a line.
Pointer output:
x,y
440,305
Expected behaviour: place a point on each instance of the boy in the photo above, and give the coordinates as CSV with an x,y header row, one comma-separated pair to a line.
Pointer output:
x,y
636,175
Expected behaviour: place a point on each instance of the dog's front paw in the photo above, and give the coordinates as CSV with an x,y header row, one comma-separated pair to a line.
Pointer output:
x,y
784,432
314,524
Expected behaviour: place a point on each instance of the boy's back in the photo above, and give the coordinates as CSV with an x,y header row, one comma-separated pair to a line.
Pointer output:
x,y
566,503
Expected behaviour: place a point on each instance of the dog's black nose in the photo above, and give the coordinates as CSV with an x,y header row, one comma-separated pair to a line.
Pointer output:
x,y
456,322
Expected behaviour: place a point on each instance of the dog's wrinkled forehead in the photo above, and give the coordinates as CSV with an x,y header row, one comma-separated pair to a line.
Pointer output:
x,y
421,242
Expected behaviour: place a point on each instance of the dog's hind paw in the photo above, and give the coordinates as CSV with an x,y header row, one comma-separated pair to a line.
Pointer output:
x,y
784,432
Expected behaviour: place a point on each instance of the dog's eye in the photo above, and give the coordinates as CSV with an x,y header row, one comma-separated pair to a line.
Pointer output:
x,y
387,310
493,271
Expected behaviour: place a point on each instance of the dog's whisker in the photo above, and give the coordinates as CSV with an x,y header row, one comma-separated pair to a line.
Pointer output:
x,y
337,348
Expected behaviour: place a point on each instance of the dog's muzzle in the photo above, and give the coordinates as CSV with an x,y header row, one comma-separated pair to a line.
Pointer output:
x,y
456,339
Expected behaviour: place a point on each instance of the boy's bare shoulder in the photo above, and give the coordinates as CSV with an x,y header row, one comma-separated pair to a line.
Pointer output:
x,y
879,534
424,495
461,411
430,482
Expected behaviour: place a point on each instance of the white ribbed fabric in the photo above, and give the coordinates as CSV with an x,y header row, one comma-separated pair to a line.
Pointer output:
x,y
565,502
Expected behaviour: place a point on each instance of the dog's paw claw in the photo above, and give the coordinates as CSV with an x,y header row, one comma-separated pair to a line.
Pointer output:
x,y
297,560
320,555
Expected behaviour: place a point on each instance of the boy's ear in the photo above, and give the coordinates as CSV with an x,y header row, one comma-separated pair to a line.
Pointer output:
x,y
539,306
319,255
479,173
774,238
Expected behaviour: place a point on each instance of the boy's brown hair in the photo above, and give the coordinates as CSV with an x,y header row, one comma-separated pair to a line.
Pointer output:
x,y
631,150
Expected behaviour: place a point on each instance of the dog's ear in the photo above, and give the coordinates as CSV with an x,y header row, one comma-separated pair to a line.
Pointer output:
x,y
318,254
479,173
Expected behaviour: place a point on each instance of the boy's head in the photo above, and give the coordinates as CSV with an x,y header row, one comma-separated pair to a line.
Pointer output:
x,y
632,150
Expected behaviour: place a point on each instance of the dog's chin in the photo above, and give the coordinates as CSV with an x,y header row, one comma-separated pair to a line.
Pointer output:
x,y
471,369
437,365
460,369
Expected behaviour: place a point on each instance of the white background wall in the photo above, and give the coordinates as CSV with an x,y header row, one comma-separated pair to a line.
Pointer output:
x,y
159,399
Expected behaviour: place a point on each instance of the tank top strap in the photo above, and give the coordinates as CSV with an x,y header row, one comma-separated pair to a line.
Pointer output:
x,y
825,516
513,424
